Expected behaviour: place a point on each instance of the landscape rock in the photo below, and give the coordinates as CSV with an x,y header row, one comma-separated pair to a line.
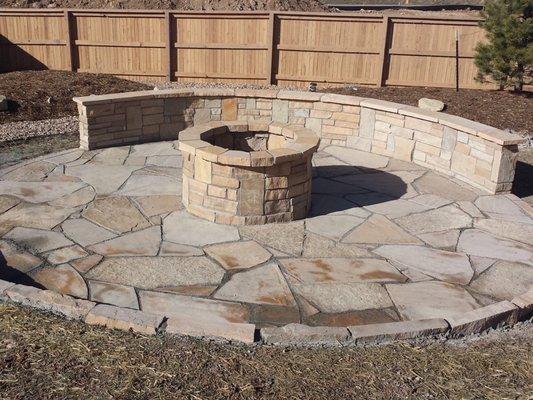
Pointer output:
x,y
430,104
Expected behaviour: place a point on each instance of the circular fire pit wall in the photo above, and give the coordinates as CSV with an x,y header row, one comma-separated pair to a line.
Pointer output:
x,y
242,173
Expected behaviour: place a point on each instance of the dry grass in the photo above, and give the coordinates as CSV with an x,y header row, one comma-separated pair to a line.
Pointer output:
x,y
43,356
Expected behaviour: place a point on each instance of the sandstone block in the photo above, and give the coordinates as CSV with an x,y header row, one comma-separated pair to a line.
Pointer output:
x,y
481,319
124,319
297,334
402,330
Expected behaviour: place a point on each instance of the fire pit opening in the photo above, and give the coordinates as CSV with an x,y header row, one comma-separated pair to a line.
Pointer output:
x,y
243,173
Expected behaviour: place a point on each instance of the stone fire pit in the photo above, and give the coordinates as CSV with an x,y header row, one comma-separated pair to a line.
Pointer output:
x,y
242,173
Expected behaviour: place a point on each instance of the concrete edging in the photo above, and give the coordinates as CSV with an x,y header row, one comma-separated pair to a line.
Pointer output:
x,y
503,313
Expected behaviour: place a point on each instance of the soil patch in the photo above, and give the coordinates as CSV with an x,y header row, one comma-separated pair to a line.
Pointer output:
x,y
501,109
39,95
236,5
44,356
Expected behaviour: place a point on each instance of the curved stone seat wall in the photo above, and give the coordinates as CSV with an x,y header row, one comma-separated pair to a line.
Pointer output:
x,y
475,153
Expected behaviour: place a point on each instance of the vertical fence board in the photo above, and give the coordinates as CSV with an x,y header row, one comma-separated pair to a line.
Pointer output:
x,y
287,48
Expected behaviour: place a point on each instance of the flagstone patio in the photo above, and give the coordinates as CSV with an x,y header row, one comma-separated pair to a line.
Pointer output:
x,y
385,241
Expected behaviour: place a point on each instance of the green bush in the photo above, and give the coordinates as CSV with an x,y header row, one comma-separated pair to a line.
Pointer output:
x,y
507,57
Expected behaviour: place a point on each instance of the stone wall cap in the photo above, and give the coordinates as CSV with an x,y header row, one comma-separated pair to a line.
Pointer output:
x,y
235,157
483,318
214,92
486,132
341,99
298,95
263,93
124,319
305,335
419,113
381,105
398,330
201,326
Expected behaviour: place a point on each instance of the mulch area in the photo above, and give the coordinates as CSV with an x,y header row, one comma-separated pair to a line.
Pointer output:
x,y
37,95
43,356
501,109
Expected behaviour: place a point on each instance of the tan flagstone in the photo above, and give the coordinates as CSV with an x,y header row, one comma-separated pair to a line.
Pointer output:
x,y
238,255
378,229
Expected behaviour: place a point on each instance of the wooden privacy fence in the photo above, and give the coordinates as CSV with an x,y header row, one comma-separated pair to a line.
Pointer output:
x,y
285,48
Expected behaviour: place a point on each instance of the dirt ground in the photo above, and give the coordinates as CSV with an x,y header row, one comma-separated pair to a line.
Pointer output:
x,y
501,109
236,5
30,91
43,356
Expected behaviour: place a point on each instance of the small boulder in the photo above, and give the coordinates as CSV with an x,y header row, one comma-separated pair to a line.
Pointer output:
x,y
3,103
430,104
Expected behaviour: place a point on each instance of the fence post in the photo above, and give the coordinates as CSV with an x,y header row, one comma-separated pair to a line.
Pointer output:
x,y
271,47
69,42
168,45
383,52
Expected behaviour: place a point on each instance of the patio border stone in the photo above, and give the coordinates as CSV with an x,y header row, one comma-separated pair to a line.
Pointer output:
x,y
473,322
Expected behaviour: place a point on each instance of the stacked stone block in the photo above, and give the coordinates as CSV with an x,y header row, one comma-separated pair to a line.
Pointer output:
x,y
478,154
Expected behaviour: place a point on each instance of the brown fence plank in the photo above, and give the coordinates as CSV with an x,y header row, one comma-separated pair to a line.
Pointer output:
x,y
293,48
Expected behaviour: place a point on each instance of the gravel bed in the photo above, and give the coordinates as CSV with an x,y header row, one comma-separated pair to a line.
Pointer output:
x,y
46,127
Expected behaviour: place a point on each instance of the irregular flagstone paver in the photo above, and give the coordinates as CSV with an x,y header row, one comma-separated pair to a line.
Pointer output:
x,y
37,239
190,290
469,208
341,270
341,297
267,315
393,184
332,226
105,179
481,264
329,166
378,229
112,155
262,285
154,272
18,259
287,238
39,216
7,202
66,254
157,205
116,214
483,244
181,227
78,198
357,157
238,255
430,200
504,280
425,300
508,229
165,161
139,243
117,295
63,279
432,183
499,206
361,317
442,240
392,208
85,232
34,171
150,185
176,305
154,149
333,205
83,265
444,265
64,157
175,249
318,247
328,186
153,170
441,219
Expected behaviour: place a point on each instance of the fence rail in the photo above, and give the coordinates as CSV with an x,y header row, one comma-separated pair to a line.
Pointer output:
x,y
285,48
